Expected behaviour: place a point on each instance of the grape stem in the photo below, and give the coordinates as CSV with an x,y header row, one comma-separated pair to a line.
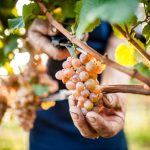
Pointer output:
x,y
134,89
88,49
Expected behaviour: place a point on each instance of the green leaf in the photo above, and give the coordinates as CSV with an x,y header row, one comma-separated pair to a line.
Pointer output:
x,y
40,89
15,23
114,11
30,12
143,69
84,22
146,31
10,45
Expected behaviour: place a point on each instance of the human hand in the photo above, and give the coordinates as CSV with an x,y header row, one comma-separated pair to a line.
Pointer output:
x,y
38,37
105,124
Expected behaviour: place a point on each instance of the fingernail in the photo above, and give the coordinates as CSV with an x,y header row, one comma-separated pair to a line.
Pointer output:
x,y
74,115
91,119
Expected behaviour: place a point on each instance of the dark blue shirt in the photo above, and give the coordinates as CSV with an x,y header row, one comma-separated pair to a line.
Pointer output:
x,y
54,130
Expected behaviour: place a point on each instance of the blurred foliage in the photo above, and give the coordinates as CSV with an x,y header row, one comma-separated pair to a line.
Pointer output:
x,y
12,136
8,41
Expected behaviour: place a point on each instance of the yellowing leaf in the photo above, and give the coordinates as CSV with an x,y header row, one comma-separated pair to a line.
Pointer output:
x,y
125,55
47,105
8,68
1,44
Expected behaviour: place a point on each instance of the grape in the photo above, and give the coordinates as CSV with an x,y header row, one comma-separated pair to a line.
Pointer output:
x,y
70,59
70,85
97,89
81,98
80,69
85,93
88,105
98,69
90,84
84,58
66,64
84,110
83,76
94,97
76,63
93,75
80,86
91,66
68,72
75,78
59,75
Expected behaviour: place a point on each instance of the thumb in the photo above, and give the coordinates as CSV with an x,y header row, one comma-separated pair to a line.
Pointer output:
x,y
111,101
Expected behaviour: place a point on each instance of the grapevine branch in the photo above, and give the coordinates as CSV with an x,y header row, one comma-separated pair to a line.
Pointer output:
x,y
134,43
134,89
98,56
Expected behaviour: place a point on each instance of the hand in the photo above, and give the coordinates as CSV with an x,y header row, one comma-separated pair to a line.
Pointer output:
x,y
105,124
37,36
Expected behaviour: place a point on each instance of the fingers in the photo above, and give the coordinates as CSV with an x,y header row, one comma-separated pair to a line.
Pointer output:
x,y
43,27
103,127
111,101
80,122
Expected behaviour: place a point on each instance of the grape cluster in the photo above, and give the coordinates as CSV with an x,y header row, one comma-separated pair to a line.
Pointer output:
x,y
26,100
3,106
80,76
26,105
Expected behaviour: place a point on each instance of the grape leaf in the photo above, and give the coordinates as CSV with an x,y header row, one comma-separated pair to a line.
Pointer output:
x,y
30,12
114,11
15,23
86,25
11,45
125,55
40,89
146,31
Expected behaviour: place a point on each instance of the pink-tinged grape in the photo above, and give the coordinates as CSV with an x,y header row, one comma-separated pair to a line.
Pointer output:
x,y
94,97
70,59
81,98
70,85
75,78
76,63
68,72
90,84
65,79
84,76
84,58
80,86
88,105
84,111
66,64
80,69
91,66
97,89
85,93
